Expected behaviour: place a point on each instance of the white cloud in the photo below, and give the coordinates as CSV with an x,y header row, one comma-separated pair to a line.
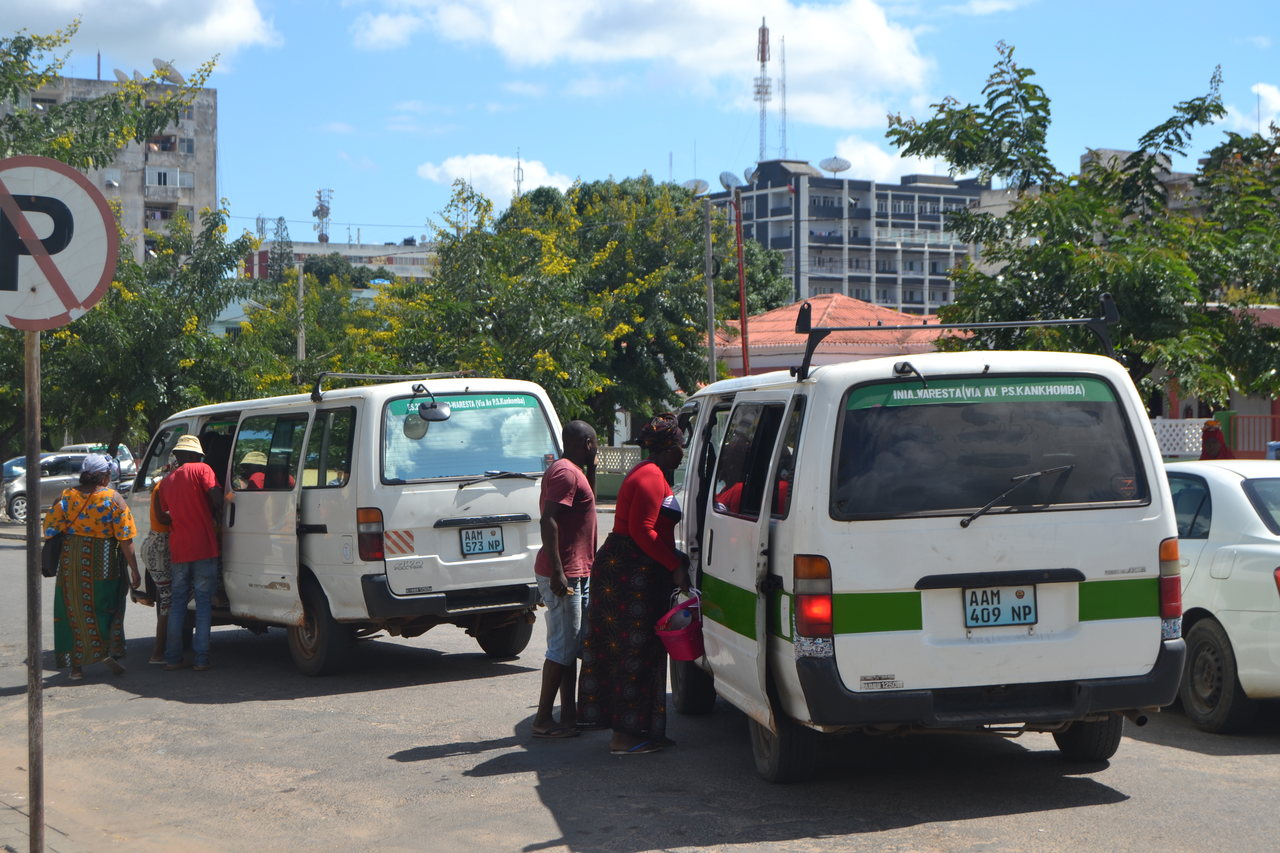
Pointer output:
x,y
1260,42
525,89
338,127
131,32
847,59
985,7
1264,112
384,32
494,176
871,162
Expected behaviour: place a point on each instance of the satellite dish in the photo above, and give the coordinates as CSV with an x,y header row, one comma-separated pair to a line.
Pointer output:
x,y
750,174
835,164
121,76
697,186
168,71
137,76
729,181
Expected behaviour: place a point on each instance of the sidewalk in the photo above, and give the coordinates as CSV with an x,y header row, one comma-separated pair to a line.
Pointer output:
x,y
60,832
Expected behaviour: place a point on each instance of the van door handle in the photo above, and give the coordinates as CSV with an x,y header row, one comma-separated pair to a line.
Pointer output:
x,y
313,528
231,515
711,541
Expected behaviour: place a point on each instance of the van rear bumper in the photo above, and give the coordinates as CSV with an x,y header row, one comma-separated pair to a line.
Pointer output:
x,y
381,603
831,704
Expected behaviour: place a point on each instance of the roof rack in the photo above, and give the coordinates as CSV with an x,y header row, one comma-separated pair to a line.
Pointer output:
x,y
315,389
1098,325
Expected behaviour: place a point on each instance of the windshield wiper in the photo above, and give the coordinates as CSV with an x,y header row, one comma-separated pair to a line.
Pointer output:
x,y
1017,481
495,475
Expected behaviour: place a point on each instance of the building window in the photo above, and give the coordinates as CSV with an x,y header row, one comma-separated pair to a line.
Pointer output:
x,y
886,265
882,206
187,145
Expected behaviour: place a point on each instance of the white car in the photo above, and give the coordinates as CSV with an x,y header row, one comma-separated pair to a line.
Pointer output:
x,y
1228,514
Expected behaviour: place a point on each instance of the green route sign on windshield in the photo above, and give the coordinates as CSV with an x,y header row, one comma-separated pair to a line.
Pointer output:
x,y
1004,389
466,402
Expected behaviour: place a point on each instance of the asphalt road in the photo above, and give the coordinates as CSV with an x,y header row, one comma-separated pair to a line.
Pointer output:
x,y
426,746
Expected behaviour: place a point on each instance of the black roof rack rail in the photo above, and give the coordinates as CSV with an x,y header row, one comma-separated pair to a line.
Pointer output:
x,y
1098,325
315,389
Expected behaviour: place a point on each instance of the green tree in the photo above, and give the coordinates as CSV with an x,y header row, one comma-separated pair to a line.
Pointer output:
x,y
1112,228
280,255
334,265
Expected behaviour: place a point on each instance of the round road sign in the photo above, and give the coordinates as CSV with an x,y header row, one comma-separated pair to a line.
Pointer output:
x,y
58,243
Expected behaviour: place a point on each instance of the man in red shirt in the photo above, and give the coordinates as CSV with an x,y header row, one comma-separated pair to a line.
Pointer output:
x,y
190,504
563,569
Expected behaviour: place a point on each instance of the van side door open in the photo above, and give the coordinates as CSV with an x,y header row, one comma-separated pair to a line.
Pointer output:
x,y
735,559
260,519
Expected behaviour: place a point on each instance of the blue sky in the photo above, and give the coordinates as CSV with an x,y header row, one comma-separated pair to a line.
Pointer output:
x,y
386,102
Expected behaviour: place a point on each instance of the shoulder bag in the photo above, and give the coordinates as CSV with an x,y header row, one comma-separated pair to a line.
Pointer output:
x,y
51,551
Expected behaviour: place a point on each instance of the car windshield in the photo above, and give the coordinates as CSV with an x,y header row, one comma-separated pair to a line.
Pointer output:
x,y
1264,494
954,446
485,433
15,467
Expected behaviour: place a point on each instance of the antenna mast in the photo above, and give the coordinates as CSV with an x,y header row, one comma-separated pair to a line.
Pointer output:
x,y
324,200
783,92
518,174
763,89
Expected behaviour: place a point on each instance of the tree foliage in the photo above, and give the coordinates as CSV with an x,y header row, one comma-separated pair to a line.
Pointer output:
x,y
1182,266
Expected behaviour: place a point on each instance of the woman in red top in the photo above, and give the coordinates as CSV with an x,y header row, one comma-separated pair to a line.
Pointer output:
x,y
624,665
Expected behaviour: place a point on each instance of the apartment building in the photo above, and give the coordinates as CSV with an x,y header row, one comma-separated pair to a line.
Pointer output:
x,y
151,182
409,259
879,242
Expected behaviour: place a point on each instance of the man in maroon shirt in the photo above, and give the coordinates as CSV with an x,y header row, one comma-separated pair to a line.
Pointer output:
x,y
190,504
563,568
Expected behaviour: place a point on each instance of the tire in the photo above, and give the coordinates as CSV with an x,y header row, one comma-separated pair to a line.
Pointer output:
x,y
321,645
787,756
1091,741
1210,690
507,641
693,689
17,508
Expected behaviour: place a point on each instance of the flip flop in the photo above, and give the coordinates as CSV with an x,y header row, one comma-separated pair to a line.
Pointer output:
x,y
114,665
642,748
557,733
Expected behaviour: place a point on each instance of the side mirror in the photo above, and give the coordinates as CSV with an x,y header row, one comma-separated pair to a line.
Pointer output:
x,y
434,412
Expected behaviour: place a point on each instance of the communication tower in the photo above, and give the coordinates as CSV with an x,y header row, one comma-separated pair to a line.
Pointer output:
x,y
324,200
763,86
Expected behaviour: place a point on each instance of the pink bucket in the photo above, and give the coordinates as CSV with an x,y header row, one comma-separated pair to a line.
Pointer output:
x,y
680,630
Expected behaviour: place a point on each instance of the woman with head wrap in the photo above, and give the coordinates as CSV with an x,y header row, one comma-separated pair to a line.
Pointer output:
x,y
89,598
624,665
1213,444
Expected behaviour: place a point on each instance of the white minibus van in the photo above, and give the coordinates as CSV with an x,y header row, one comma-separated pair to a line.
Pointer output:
x,y
390,507
964,542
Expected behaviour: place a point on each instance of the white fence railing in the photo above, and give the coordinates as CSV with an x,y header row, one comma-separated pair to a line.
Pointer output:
x,y
618,460
1179,437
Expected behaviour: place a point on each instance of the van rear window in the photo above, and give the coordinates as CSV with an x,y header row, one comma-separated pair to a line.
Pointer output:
x,y
953,446
484,433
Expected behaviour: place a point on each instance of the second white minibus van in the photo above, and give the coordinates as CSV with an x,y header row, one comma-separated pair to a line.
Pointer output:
x,y
391,507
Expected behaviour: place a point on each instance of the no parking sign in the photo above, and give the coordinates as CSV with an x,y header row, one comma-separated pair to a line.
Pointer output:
x,y
58,243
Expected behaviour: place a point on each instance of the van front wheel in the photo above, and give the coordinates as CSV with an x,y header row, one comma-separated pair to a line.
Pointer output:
x,y
320,645
786,756
506,641
1092,741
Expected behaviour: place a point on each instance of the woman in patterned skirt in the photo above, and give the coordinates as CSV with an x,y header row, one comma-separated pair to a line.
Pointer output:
x,y
89,600
624,665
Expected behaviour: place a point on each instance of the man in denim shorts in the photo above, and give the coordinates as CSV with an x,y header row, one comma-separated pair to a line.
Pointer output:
x,y
563,569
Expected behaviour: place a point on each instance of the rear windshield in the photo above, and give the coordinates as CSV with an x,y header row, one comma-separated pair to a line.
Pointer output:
x,y
1264,494
956,445
484,433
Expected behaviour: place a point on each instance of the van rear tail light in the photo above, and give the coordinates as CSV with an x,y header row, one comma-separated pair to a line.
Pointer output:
x,y
813,596
369,534
1170,580
1277,574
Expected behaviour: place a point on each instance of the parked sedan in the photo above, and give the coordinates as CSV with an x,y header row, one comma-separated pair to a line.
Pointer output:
x,y
58,471
1228,514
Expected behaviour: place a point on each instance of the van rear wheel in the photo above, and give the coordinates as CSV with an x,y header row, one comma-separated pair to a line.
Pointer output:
x,y
1091,741
693,689
506,641
320,645
788,755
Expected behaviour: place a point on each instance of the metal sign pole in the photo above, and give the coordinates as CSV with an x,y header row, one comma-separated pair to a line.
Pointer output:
x,y
35,656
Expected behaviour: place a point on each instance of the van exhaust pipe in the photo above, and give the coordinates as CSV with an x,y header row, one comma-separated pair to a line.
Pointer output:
x,y
1137,717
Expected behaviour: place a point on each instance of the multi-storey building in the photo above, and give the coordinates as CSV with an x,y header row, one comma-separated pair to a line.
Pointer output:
x,y
882,243
409,259
151,182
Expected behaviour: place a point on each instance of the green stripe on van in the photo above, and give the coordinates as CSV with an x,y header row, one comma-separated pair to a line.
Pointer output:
x,y
867,612
1120,599
731,606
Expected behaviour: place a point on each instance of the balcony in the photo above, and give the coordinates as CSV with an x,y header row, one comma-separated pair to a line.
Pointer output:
x,y
780,211
162,193
783,242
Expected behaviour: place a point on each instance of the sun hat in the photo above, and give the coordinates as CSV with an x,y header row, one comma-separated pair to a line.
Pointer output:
x,y
95,463
254,457
190,444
